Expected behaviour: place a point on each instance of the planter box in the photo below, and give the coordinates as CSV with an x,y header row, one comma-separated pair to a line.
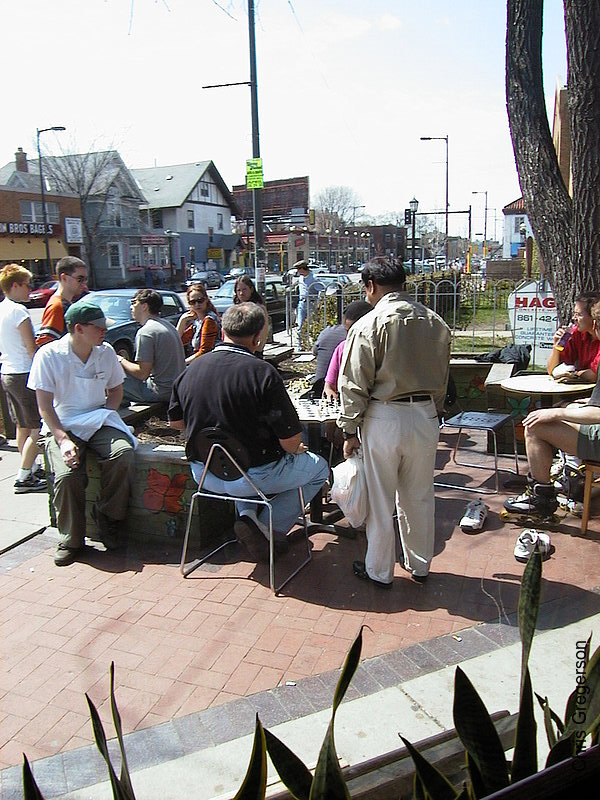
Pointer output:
x,y
161,493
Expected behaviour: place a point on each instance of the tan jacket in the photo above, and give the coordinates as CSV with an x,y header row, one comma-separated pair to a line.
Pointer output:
x,y
400,348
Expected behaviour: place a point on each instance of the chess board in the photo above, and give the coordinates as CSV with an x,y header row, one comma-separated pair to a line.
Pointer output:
x,y
315,410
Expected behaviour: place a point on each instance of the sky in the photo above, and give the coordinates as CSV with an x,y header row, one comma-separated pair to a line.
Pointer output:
x,y
346,88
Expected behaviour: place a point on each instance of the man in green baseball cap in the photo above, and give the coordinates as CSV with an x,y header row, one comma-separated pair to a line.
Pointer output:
x,y
79,385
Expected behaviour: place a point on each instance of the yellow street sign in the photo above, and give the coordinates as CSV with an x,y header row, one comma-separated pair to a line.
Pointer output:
x,y
254,173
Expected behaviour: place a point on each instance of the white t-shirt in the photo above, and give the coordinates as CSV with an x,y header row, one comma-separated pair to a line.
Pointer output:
x,y
14,356
79,388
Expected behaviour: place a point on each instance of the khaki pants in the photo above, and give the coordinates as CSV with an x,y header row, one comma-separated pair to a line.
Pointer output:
x,y
116,456
399,445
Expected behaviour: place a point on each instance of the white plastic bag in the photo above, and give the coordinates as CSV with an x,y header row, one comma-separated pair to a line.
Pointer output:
x,y
349,490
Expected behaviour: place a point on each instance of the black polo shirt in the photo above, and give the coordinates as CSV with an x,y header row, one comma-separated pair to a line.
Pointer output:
x,y
232,389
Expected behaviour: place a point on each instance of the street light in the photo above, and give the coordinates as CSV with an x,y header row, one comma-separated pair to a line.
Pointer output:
x,y
484,221
44,213
413,205
170,236
442,139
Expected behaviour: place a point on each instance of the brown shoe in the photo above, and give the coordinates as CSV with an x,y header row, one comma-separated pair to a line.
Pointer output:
x,y
250,535
64,556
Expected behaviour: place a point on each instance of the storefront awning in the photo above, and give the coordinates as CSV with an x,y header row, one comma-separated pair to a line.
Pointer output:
x,y
30,249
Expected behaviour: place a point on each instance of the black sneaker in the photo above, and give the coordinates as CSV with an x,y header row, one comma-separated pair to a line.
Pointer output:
x,y
250,535
538,500
30,484
40,473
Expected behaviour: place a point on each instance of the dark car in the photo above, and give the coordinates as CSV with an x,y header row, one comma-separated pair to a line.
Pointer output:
x,y
40,296
274,298
116,304
209,278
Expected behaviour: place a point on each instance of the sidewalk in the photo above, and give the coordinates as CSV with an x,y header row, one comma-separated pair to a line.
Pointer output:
x,y
196,659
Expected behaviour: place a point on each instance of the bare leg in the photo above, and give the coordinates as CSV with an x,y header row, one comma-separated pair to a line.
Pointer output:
x,y
542,440
29,452
22,436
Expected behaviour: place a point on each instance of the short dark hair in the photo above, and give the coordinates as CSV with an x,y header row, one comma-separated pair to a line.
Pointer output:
x,y
357,309
384,272
243,320
68,265
587,300
152,299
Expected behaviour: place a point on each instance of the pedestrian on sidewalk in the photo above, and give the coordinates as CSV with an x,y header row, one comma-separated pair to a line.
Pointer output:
x,y
17,348
79,387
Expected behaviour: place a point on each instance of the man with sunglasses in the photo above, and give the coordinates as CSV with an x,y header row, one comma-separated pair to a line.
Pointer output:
x,y
159,354
72,284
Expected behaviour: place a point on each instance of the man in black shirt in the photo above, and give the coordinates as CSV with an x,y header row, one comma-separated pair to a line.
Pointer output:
x,y
231,389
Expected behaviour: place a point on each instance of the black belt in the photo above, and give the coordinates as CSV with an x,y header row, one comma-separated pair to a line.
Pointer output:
x,y
413,398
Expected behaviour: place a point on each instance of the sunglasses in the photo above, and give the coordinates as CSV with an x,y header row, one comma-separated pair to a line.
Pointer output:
x,y
198,301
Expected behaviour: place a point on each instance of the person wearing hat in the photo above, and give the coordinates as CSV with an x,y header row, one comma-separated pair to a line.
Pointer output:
x,y
79,385
308,288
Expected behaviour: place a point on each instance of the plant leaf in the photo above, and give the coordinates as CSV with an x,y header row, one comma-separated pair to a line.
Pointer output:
x,y
524,761
102,746
328,781
563,749
292,771
30,788
436,785
550,732
348,670
125,779
478,734
477,787
418,788
529,604
254,784
584,703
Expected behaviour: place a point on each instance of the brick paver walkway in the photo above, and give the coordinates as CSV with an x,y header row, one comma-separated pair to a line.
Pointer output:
x,y
180,646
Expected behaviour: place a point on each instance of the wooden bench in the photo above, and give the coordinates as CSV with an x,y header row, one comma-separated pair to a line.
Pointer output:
x,y
276,353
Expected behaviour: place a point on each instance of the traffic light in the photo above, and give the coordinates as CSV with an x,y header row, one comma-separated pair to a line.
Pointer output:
x,y
407,216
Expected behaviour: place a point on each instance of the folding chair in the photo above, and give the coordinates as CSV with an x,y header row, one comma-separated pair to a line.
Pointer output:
x,y
489,421
225,458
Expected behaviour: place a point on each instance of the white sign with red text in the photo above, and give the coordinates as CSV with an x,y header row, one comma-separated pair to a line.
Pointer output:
x,y
534,319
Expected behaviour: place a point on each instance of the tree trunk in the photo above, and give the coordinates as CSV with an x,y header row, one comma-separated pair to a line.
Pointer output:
x,y
546,198
582,21
567,231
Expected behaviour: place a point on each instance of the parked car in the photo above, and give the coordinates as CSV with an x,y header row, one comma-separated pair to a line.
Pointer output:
x,y
274,299
40,296
116,304
209,278
236,272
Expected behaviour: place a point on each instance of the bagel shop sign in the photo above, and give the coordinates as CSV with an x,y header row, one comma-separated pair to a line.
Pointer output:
x,y
27,229
534,319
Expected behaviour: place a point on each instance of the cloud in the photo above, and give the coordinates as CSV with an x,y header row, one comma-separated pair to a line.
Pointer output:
x,y
388,22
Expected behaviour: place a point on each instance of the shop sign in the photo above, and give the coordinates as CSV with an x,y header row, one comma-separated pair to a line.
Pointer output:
x,y
27,229
73,232
214,252
534,319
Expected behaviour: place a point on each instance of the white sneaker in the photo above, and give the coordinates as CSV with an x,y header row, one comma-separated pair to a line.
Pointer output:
x,y
474,516
526,544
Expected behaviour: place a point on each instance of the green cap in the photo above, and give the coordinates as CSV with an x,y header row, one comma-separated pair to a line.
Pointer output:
x,y
87,314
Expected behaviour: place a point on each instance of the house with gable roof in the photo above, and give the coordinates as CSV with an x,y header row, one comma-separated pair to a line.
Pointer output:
x,y
193,202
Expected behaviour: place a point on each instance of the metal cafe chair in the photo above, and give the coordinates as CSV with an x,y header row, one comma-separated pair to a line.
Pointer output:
x,y
489,421
225,458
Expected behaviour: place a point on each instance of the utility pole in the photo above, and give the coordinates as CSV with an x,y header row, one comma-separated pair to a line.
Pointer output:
x,y
257,205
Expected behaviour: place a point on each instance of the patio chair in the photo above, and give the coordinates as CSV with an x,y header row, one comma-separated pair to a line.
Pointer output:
x,y
224,457
489,421
592,471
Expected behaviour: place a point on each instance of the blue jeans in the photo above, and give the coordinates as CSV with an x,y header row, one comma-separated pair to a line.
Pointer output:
x,y
280,478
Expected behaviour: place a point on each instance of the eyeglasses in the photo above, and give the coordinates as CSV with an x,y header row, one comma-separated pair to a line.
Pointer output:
x,y
79,278
134,303
198,301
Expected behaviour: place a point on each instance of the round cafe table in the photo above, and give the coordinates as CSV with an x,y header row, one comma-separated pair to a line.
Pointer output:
x,y
549,390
